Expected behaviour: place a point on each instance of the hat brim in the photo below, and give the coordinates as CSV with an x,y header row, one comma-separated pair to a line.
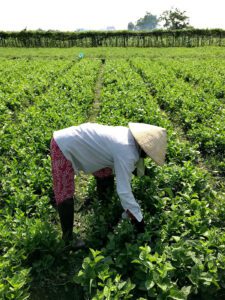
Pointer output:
x,y
152,139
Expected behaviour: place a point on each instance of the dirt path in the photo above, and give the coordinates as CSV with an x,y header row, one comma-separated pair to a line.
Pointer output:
x,y
96,104
81,181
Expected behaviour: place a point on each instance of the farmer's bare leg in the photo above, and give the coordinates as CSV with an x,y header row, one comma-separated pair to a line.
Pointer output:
x,y
105,189
66,215
63,186
105,186
104,183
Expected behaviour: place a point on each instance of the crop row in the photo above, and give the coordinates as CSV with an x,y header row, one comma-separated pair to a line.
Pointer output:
x,y
198,112
22,81
183,256
29,244
208,74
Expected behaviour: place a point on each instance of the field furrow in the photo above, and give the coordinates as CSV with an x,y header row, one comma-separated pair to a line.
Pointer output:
x,y
198,113
26,176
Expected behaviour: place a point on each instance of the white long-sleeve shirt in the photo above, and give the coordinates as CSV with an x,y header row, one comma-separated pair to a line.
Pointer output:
x,y
91,147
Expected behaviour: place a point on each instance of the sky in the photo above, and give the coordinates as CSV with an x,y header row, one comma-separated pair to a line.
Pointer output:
x,y
71,15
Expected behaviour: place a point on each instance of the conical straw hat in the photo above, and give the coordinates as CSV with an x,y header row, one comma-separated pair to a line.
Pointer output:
x,y
152,139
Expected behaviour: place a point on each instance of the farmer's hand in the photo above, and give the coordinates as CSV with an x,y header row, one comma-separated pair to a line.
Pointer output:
x,y
140,226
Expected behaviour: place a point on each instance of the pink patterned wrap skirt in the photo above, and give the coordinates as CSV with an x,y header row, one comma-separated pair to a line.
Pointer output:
x,y
63,174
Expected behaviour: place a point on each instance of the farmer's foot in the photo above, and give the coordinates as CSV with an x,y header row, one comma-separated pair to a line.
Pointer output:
x,y
75,244
86,204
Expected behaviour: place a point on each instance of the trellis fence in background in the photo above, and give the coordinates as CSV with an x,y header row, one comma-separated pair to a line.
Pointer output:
x,y
157,38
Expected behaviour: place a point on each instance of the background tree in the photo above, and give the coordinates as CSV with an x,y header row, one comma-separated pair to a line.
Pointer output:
x,y
148,22
131,26
174,19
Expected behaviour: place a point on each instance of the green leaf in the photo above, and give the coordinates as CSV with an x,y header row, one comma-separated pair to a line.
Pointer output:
x,y
94,252
177,294
121,285
149,284
98,258
206,278
136,261
186,290
90,285
196,271
163,286
19,279
176,238
106,291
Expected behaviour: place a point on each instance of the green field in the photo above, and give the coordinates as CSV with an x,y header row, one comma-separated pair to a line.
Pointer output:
x,y
182,253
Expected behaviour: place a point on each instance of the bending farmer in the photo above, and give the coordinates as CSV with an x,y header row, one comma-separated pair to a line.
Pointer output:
x,y
103,150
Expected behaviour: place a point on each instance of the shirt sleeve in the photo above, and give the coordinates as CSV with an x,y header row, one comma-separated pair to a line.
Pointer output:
x,y
123,171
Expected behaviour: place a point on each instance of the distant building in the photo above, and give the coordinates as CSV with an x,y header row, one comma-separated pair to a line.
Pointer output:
x,y
110,28
80,29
